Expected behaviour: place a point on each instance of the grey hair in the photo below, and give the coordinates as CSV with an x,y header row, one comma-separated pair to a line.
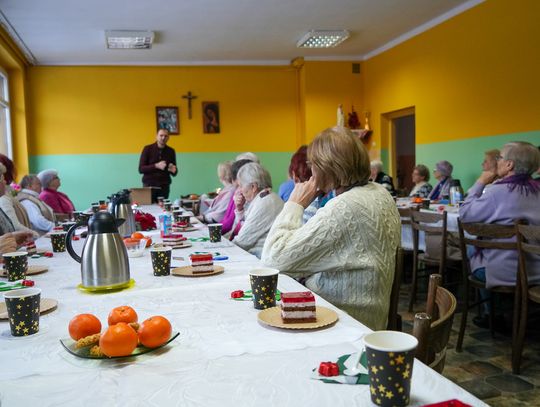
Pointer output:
x,y
27,180
376,164
254,173
225,171
248,156
525,156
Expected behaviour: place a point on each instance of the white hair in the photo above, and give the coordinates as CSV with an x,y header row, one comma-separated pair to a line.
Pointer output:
x,y
376,164
254,173
248,156
525,156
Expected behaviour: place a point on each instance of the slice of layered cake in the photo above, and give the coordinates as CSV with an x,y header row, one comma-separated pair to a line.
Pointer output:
x,y
298,307
201,263
173,239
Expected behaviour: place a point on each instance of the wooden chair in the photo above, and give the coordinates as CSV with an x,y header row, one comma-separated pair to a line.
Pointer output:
x,y
432,328
482,236
434,226
405,216
21,213
394,319
528,243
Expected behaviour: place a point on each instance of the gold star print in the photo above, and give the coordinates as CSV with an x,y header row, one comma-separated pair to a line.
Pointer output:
x,y
389,394
381,367
19,306
268,298
26,330
256,290
391,354
400,390
408,365
406,374
392,363
398,369
400,359
264,288
381,388
373,390
21,323
261,302
374,369
378,400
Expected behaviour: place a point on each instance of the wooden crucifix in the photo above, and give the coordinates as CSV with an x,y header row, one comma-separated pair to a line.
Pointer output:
x,y
189,98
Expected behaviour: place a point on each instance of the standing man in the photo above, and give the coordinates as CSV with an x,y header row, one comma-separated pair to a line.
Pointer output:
x,y
157,164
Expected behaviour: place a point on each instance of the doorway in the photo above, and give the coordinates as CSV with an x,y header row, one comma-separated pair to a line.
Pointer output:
x,y
399,131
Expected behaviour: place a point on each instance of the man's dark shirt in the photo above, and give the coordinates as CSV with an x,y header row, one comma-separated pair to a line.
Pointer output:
x,y
152,176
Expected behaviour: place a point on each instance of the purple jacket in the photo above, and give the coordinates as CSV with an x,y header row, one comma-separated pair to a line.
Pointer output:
x,y
497,204
228,220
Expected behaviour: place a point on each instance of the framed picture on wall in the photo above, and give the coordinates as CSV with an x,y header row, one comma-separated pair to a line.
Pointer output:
x,y
211,122
167,118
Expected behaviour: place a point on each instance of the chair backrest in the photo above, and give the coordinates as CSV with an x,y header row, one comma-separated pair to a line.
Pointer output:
x,y
394,319
432,328
405,215
483,236
21,213
434,227
528,242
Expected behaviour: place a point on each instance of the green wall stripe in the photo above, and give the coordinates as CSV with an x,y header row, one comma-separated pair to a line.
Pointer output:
x,y
87,178
467,155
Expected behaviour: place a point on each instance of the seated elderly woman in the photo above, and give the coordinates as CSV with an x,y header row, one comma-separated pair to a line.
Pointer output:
x,y
378,176
216,211
40,214
420,176
514,196
346,251
299,171
7,205
253,223
443,174
59,202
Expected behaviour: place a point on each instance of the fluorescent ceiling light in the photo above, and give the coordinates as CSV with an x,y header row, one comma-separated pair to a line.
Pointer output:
x,y
125,39
322,38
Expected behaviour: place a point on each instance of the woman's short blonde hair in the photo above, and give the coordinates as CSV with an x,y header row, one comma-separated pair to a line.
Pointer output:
x,y
225,171
339,158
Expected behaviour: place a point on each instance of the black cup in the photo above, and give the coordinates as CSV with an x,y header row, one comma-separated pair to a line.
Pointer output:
x,y
67,225
16,264
390,359
176,214
263,287
58,241
23,311
167,206
95,207
426,203
214,231
161,261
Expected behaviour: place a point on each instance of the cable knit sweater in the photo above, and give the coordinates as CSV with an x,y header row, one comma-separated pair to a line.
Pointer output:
x,y
346,251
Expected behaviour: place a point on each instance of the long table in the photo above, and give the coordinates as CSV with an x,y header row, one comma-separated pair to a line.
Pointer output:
x,y
222,357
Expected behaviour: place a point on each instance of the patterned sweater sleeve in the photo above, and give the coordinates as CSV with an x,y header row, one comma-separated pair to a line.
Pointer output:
x,y
294,248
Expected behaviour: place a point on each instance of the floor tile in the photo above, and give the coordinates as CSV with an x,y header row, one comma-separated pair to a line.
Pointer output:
x,y
480,389
509,383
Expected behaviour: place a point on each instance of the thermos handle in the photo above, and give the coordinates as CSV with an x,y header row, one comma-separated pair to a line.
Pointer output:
x,y
70,234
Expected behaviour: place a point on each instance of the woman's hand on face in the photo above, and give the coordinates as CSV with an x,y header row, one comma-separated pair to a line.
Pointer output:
x,y
304,192
487,177
7,243
239,201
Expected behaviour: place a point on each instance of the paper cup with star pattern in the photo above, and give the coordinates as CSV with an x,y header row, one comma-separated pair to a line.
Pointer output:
x,y
390,359
23,311
263,287
16,264
58,241
161,260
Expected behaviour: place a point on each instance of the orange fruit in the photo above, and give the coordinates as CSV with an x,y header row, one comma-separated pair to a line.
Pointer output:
x,y
123,313
137,235
155,331
148,242
118,340
83,325
131,240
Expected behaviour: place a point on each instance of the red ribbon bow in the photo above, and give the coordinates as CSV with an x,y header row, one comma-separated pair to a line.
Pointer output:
x,y
328,369
237,294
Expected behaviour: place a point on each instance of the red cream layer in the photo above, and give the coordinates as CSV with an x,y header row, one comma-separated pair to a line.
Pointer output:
x,y
297,297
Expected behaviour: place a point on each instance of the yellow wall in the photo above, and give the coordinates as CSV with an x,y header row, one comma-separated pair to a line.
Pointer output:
x,y
326,85
477,74
13,63
112,109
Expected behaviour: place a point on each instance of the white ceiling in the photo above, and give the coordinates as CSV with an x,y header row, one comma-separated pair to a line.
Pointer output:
x,y
71,32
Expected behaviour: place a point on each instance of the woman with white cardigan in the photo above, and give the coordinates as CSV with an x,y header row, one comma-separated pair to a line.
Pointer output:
x,y
253,223
346,251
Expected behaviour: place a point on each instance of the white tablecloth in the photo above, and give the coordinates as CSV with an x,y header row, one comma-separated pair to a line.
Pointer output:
x,y
222,357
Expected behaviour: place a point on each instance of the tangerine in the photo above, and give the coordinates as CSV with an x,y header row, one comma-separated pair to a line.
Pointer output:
x,y
154,331
118,340
123,313
83,325
137,235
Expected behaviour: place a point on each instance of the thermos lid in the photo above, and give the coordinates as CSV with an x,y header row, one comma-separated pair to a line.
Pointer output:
x,y
455,183
102,222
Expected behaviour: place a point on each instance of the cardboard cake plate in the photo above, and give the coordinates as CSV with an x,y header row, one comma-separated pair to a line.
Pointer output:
x,y
272,317
32,269
187,271
45,305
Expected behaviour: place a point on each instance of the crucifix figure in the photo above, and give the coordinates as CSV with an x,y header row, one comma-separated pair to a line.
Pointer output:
x,y
189,98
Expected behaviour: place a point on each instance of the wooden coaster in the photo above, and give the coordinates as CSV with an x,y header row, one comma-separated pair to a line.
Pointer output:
x,y
187,271
182,245
32,269
45,305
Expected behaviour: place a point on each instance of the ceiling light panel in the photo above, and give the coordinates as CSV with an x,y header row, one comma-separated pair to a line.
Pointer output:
x,y
322,39
124,39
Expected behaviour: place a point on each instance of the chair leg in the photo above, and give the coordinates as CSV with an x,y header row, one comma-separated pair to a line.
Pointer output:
x,y
491,315
519,328
414,283
463,324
